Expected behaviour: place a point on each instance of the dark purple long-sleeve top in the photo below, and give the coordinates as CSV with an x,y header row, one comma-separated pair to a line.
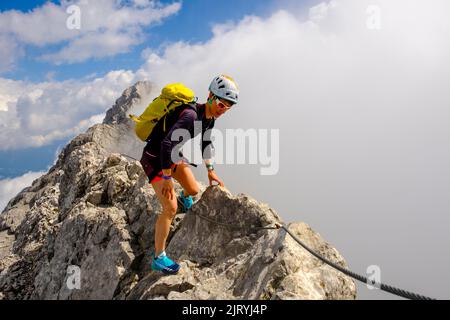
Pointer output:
x,y
160,143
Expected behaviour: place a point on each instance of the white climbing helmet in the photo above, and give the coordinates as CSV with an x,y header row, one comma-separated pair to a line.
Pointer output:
x,y
225,87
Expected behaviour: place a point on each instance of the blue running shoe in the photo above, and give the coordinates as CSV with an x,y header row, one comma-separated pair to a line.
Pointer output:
x,y
165,264
185,202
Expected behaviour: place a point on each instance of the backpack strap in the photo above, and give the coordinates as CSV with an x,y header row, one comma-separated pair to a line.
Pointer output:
x,y
190,105
165,115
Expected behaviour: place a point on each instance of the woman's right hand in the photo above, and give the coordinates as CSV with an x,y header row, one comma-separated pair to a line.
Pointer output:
x,y
167,189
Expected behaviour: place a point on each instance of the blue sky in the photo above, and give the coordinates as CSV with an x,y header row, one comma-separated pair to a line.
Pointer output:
x,y
192,24
17,162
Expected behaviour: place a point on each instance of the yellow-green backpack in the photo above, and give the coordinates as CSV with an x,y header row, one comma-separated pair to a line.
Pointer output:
x,y
172,96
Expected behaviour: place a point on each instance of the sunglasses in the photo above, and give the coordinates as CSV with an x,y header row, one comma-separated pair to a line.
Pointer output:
x,y
222,105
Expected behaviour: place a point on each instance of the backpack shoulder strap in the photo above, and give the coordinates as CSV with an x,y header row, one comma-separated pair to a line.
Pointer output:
x,y
181,110
192,106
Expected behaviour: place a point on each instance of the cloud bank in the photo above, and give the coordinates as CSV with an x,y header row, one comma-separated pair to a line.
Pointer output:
x,y
83,29
11,187
38,114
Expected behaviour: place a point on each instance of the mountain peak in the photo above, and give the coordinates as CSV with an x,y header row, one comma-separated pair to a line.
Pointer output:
x,y
132,96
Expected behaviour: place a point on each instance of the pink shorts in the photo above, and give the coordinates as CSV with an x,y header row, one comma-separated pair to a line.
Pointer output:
x,y
150,162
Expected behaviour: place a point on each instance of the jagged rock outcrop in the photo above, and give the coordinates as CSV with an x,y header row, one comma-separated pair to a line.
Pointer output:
x,y
95,211
131,97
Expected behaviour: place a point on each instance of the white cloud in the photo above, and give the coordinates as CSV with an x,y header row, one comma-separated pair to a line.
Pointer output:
x,y
10,50
320,11
108,27
98,45
11,187
38,114
330,59
5,100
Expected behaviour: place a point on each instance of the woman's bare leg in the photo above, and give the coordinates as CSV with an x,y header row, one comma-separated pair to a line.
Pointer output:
x,y
185,177
164,220
183,174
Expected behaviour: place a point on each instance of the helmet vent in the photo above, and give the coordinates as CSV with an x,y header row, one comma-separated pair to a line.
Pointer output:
x,y
225,87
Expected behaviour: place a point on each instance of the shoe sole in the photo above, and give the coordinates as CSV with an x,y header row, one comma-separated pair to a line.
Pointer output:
x,y
165,270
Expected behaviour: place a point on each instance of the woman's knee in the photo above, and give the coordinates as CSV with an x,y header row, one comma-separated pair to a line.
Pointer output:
x,y
187,180
170,209
193,190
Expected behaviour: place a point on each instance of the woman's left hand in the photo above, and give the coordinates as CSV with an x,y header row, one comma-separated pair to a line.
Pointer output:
x,y
212,176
